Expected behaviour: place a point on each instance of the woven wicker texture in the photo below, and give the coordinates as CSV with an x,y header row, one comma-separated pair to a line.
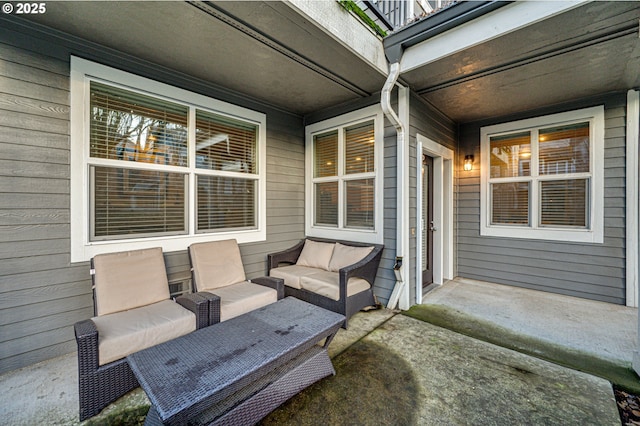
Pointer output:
x,y
185,376
98,386
286,381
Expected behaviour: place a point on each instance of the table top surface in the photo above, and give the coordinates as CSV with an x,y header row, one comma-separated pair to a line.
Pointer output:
x,y
212,362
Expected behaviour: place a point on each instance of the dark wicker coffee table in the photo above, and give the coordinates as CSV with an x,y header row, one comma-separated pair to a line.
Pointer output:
x,y
237,371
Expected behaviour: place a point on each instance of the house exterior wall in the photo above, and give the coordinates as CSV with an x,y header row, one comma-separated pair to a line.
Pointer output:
x,y
42,294
592,271
424,120
385,278
388,282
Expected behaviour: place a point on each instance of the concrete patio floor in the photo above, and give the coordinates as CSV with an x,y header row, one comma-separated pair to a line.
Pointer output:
x,y
402,369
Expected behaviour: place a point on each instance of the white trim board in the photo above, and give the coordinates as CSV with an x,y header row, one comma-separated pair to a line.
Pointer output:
x,y
633,186
502,21
403,205
442,212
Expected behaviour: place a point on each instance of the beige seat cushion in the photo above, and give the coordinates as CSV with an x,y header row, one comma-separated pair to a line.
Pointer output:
x,y
327,284
216,264
129,279
123,333
291,274
344,256
316,254
243,297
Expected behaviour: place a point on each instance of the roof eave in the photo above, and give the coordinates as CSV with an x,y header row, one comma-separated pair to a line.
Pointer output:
x,y
451,17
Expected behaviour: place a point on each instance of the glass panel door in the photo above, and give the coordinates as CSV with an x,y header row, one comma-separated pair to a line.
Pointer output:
x,y
427,220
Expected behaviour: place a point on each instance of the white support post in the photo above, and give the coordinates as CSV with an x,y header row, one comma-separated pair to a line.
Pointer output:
x,y
633,186
633,210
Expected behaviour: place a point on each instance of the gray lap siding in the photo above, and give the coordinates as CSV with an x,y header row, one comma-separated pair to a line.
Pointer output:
x,y
592,271
42,294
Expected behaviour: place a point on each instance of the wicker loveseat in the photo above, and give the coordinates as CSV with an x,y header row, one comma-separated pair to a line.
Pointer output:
x,y
132,312
333,274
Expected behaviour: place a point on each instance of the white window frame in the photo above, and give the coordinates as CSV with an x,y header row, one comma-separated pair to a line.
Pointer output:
x,y
595,232
82,249
341,232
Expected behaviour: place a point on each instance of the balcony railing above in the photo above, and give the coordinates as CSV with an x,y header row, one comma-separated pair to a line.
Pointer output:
x,y
394,14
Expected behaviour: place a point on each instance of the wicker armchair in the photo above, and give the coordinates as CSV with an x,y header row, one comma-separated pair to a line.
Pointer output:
x,y
346,288
130,291
218,274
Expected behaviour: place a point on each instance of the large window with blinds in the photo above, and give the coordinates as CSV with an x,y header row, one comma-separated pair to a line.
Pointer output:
x,y
344,177
542,178
153,165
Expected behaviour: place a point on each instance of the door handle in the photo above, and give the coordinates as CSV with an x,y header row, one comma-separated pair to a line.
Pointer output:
x,y
432,227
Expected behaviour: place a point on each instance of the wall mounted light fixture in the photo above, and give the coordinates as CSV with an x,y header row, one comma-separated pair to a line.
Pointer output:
x,y
468,163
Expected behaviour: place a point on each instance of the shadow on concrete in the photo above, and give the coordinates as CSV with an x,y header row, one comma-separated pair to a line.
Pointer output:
x,y
372,385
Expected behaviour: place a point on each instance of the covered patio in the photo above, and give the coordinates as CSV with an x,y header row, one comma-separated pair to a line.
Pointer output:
x,y
516,311
400,368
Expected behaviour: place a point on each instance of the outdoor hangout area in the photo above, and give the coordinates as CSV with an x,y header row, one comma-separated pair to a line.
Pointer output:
x,y
401,368
232,349
303,212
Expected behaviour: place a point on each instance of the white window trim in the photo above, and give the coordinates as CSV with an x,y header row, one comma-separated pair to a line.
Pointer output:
x,y
361,235
82,249
595,234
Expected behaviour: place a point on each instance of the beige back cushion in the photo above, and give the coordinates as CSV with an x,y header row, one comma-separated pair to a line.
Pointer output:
x,y
216,264
130,279
347,255
316,254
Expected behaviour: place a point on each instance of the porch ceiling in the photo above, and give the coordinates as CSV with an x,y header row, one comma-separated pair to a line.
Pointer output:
x,y
264,49
589,50
271,52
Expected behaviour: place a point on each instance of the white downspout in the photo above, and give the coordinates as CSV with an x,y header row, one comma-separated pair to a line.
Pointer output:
x,y
401,268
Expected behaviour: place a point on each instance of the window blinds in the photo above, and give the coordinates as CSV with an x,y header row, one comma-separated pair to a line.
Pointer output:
x,y
130,203
145,192
564,202
510,203
129,200
563,160
360,203
564,149
343,172
130,126
359,158
326,203
359,148
325,154
225,144
511,155
225,203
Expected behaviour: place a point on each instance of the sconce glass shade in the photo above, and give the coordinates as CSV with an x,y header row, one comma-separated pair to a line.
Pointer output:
x,y
468,163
